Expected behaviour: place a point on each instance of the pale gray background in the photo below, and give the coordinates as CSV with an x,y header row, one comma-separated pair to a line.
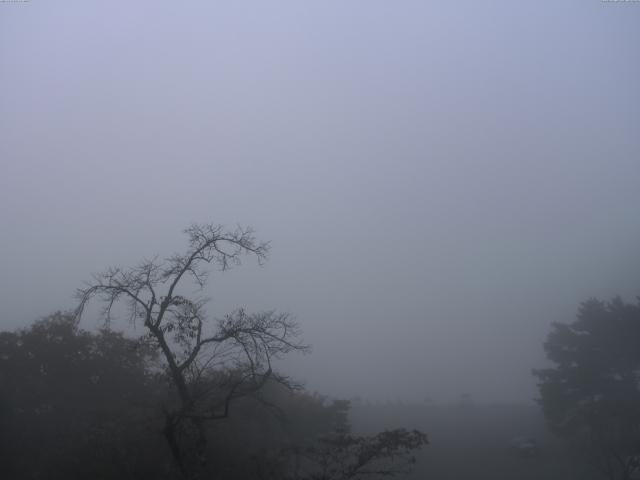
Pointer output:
x,y
440,180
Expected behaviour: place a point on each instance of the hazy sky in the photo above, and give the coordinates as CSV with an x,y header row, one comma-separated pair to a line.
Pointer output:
x,y
439,180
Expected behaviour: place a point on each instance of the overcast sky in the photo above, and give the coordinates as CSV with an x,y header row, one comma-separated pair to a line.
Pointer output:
x,y
439,180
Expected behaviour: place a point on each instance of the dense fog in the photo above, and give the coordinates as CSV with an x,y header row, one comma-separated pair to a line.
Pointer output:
x,y
439,181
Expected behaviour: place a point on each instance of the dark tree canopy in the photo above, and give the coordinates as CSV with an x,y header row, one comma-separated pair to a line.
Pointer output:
x,y
592,394
79,404
75,404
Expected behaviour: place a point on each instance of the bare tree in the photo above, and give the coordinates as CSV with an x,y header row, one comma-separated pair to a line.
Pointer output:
x,y
210,363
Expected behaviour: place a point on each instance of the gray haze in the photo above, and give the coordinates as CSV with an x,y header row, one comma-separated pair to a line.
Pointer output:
x,y
440,180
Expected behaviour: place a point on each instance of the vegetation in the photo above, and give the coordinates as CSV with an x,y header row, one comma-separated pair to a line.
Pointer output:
x,y
80,404
241,346
194,397
76,404
592,394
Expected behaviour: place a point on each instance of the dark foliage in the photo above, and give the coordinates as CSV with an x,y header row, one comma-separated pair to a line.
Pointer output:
x,y
341,455
592,394
76,404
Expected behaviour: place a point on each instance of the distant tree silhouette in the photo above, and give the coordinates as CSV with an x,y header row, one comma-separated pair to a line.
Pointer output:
x,y
592,394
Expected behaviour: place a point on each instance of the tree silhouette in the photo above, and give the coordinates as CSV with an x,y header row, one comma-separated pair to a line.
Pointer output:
x,y
241,346
591,396
344,456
